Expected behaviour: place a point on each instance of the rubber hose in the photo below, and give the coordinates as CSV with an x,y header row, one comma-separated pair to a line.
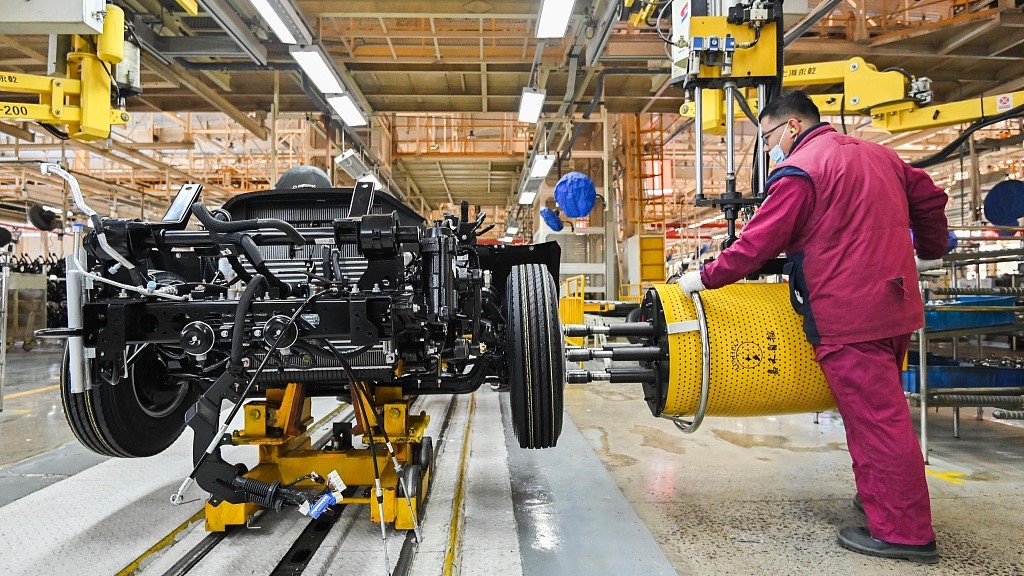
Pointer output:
x,y
214,225
238,333
946,152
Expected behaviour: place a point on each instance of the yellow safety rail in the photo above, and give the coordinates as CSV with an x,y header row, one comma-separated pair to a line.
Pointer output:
x,y
570,305
631,293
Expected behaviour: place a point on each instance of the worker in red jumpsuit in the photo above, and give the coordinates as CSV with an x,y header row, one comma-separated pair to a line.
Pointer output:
x,y
842,210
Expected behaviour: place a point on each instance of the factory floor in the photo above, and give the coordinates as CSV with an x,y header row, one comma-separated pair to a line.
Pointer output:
x,y
740,496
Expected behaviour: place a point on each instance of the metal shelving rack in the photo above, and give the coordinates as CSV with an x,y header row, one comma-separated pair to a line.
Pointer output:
x,y
967,397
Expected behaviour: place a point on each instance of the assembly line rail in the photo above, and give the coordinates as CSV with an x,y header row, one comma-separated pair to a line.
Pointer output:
x,y
304,546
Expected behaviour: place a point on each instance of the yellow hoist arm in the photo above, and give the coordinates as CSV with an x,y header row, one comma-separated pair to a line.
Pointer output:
x,y
82,99
644,10
948,114
895,101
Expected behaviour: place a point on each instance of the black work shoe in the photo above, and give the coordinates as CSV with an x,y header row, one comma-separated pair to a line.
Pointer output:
x,y
858,539
857,504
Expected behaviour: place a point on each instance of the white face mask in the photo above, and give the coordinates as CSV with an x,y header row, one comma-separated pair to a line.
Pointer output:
x,y
776,153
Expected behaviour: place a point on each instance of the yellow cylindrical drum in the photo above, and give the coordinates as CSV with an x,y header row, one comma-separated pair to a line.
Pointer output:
x,y
750,343
110,44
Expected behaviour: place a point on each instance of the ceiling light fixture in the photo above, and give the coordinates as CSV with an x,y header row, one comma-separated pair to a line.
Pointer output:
x,y
318,66
347,110
283,20
351,163
531,104
541,165
554,18
527,197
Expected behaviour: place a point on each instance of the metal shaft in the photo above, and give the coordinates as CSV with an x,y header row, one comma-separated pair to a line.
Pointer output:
x,y
621,329
978,291
624,353
980,400
698,127
730,131
1008,414
76,302
984,391
760,161
613,375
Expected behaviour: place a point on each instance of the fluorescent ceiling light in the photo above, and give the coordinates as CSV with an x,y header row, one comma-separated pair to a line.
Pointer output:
x,y
527,197
274,20
351,163
513,229
284,20
531,104
542,164
507,239
554,18
347,110
318,68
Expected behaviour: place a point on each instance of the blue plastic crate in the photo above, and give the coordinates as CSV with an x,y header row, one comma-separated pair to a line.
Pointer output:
x,y
934,320
947,373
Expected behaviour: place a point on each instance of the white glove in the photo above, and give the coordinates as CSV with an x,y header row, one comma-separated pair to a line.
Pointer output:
x,y
924,265
691,282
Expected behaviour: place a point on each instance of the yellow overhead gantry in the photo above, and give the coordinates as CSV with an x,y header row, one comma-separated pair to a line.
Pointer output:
x,y
78,97
895,100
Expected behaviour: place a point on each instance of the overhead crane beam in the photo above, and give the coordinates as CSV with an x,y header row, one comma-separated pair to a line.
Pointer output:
x,y
498,9
176,73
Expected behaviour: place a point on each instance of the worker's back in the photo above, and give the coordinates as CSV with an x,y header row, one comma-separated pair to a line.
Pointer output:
x,y
852,265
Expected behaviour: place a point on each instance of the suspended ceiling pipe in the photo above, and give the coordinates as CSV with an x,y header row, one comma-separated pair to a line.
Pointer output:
x,y
605,25
808,22
239,66
572,93
599,92
682,128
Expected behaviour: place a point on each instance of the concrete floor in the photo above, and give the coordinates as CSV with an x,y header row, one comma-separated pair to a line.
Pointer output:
x,y
767,495
32,423
740,496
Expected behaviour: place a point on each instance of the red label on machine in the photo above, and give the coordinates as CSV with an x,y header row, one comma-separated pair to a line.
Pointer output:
x,y
1004,102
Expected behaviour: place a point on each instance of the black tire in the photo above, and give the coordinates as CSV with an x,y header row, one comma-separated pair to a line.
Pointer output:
x,y
135,418
424,454
413,476
536,356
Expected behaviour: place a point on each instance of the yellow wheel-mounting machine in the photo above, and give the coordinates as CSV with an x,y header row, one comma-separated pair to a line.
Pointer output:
x,y
737,351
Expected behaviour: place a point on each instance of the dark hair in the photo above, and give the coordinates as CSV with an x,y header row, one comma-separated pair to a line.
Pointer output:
x,y
789,104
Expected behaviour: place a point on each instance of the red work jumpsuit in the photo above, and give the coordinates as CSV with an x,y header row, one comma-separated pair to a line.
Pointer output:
x,y
842,209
